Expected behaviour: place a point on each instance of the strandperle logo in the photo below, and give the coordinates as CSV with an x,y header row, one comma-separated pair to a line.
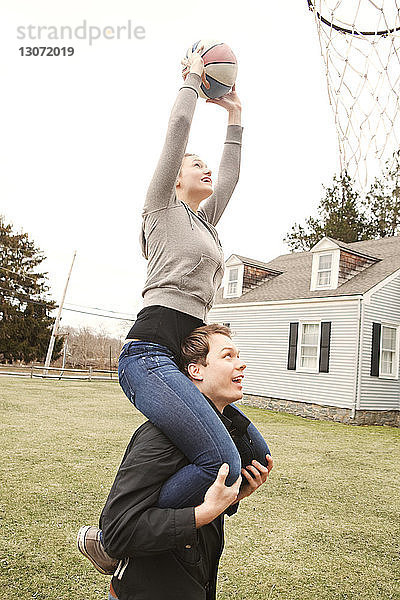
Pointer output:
x,y
83,32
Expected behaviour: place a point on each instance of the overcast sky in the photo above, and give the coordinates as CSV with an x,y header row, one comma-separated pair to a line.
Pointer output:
x,y
81,135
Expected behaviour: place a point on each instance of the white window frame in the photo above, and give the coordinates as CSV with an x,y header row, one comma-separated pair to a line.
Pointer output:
x,y
230,281
239,287
395,374
319,270
299,338
335,253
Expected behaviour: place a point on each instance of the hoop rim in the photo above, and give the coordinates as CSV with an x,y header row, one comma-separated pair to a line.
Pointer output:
x,y
350,31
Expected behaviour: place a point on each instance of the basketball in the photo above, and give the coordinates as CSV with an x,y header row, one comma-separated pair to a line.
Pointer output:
x,y
220,67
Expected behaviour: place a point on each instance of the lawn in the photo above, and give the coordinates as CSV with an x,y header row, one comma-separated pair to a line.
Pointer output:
x,y
325,527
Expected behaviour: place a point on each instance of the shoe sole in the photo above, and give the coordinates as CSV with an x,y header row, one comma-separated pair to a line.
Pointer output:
x,y
81,541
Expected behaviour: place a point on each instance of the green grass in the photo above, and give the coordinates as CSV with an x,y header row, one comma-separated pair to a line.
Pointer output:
x,y
326,526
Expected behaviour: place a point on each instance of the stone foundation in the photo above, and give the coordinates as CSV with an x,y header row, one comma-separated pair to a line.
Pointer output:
x,y
325,413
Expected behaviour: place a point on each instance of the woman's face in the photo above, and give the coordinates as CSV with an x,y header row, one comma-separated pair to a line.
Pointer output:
x,y
195,178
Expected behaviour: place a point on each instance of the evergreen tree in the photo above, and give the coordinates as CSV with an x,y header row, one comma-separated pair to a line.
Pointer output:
x,y
25,324
341,215
383,200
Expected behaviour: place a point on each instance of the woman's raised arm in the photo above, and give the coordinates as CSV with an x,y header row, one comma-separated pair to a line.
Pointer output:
x,y
162,185
229,168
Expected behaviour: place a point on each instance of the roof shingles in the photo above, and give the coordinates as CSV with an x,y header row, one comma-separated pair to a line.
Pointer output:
x,y
296,274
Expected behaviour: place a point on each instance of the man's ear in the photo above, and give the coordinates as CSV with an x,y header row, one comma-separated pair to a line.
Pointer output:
x,y
194,372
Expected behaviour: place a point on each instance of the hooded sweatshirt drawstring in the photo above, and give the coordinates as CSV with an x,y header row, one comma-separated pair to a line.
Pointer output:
x,y
205,223
190,216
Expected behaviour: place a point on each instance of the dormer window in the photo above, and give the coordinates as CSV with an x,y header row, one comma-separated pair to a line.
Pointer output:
x,y
334,263
233,281
244,274
233,278
325,265
324,270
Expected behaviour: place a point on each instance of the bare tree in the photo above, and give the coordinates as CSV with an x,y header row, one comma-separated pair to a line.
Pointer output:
x,y
92,348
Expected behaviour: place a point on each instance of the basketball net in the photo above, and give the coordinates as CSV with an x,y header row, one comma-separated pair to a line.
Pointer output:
x,y
360,46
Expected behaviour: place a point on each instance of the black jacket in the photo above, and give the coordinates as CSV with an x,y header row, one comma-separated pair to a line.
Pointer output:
x,y
169,558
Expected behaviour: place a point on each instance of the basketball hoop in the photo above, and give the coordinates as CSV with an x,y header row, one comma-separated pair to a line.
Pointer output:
x,y
360,46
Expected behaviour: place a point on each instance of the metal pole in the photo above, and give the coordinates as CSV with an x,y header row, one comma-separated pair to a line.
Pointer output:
x,y
57,321
110,365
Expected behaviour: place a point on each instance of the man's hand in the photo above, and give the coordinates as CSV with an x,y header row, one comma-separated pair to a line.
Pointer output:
x,y
217,499
260,476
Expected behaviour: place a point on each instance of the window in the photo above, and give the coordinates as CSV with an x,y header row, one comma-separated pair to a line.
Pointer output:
x,y
325,265
324,270
233,278
384,351
233,281
388,354
309,347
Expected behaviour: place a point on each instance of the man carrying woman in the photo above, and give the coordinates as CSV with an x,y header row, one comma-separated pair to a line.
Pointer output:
x,y
167,553
185,269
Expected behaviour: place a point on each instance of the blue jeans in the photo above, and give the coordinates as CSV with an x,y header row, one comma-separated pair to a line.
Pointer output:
x,y
153,383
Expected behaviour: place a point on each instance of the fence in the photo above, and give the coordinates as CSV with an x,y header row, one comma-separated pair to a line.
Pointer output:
x,y
59,373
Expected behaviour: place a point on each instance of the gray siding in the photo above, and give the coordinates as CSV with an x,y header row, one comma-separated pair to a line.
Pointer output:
x,y
262,334
384,307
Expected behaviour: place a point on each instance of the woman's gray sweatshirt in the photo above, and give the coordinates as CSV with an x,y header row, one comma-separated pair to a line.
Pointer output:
x,y
185,258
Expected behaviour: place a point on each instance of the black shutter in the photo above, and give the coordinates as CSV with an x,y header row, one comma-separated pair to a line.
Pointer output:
x,y
292,354
324,348
375,350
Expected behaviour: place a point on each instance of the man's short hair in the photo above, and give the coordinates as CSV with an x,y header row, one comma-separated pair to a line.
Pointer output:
x,y
196,346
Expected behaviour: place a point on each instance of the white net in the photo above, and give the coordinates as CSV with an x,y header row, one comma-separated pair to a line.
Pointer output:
x,y
360,46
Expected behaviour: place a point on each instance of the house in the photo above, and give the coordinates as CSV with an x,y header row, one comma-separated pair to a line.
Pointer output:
x,y
319,330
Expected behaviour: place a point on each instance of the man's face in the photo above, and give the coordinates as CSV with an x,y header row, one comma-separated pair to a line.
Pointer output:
x,y
221,378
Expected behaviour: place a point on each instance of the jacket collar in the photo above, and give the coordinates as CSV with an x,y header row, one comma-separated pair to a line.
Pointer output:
x,y
232,418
